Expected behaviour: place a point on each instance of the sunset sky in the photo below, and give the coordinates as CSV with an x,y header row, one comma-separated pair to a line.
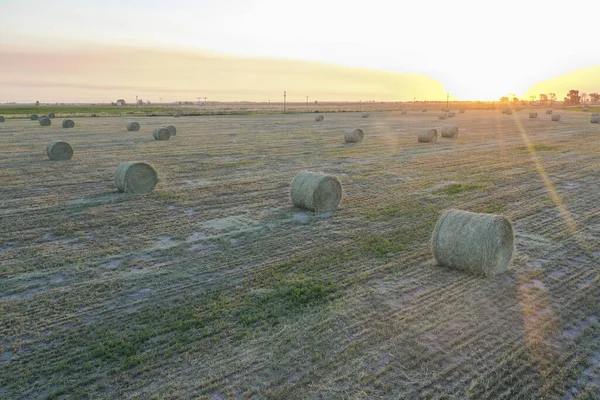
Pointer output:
x,y
70,50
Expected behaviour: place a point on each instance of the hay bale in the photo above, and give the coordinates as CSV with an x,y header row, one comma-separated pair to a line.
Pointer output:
x,y
442,116
504,110
365,115
161,134
51,115
172,130
423,110
2,119
549,111
451,114
556,117
354,135
68,123
461,111
532,115
595,120
403,111
478,243
428,136
133,126
59,150
509,111
45,121
315,191
177,115
449,131
319,118
595,114
136,177
33,117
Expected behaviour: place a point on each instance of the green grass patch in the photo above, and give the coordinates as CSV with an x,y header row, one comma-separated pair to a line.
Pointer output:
x,y
537,147
457,188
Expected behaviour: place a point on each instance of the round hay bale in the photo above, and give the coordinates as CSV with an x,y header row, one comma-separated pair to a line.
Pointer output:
x,y
136,177
2,119
172,130
595,114
423,110
504,111
161,134
59,150
595,120
442,116
509,111
177,115
549,111
68,123
403,112
428,136
555,117
354,135
365,115
451,114
51,115
532,115
449,131
133,126
461,111
45,121
33,117
315,191
319,118
478,243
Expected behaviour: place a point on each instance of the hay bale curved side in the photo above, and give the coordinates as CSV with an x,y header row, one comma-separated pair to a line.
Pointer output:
x,y
442,116
45,121
532,115
478,243
319,118
354,135
33,117
2,119
161,134
51,115
449,131
136,177
595,120
68,123
59,150
428,136
556,117
172,130
133,126
549,111
316,191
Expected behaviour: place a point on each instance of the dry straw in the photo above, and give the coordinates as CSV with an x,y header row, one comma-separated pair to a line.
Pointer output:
x,y
354,135
319,118
549,111
59,150
161,134
449,131
68,123
45,121
33,117
428,136
133,126
555,117
136,177
532,115
365,115
51,115
315,191
478,243
172,130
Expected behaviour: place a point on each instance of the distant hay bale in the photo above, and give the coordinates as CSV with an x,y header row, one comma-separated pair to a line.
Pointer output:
x,y
132,126
451,114
365,115
504,110
354,135
442,116
449,131
172,130
509,111
51,115
135,177
2,119
161,134
555,117
403,111
461,111
428,136
33,117
68,123
319,118
177,115
315,191
549,111
423,110
45,121
532,115
59,150
595,120
477,243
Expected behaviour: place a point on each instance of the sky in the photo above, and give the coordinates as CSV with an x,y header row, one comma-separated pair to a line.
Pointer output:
x,y
471,49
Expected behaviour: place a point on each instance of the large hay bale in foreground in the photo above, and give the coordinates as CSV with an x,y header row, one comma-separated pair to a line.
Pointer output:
x,y
33,117
556,117
68,123
172,130
365,115
161,134
442,116
51,115
449,131
2,119
315,191
478,243
59,150
595,120
532,115
549,111
133,126
354,135
136,177
428,136
319,118
45,121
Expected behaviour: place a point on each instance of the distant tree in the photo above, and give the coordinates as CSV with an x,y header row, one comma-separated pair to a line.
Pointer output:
x,y
573,97
515,99
121,102
584,98
37,103
543,98
532,98
504,99
552,97
140,102
148,102
594,97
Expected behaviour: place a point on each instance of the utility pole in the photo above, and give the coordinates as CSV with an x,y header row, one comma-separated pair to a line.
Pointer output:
x,y
359,104
447,98
307,102
284,96
136,100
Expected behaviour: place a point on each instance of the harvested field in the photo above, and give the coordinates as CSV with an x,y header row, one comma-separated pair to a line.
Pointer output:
x,y
215,286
